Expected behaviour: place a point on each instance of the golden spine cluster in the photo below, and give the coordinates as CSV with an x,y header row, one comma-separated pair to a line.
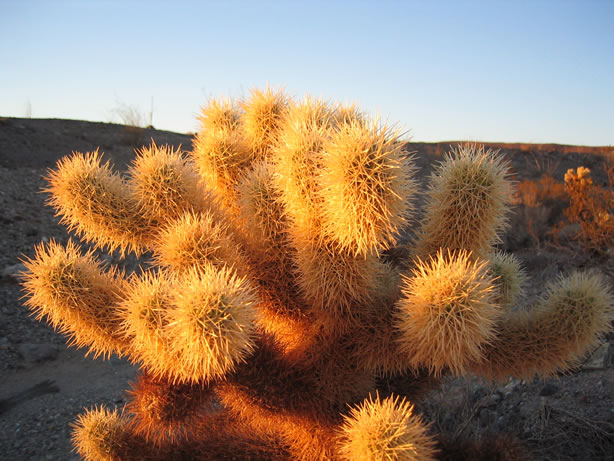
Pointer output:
x,y
268,322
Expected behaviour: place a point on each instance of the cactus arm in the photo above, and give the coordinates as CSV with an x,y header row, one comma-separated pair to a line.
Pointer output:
x,y
219,149
211,325
107,435
77,296
263,113
509,278
567,323
165,184
95,202
446,313
296,161
466,203
385,429
365,187
197,240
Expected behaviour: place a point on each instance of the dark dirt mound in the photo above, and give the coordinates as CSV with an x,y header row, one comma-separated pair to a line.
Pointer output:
x,y
39,143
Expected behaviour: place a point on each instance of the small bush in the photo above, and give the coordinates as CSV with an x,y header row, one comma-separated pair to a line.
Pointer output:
x,y
592,207
134,121
539,207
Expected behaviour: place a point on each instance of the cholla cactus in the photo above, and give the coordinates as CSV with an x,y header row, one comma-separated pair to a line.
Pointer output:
x,y
267,322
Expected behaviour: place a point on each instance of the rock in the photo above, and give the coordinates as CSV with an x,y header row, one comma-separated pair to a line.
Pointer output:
x,y
569,232
510,387
490,401
548,390
478,393
484,417
598,359
33,353
609,358
12,273
501,424
116,360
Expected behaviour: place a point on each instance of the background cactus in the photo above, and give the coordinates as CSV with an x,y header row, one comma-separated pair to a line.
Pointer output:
x,y
267,319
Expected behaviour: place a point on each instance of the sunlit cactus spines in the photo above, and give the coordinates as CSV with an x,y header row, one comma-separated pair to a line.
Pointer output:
x,y
467,203
71,290
447,313
268,317
94,201
509,277
104,434
366,187
571,316
385,429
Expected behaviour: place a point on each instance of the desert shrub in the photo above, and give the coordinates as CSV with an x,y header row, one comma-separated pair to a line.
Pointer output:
x,y
134,122
592,207
539,208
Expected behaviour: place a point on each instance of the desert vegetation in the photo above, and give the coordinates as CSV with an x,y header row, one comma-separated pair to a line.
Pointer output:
x,y
592,207
278,314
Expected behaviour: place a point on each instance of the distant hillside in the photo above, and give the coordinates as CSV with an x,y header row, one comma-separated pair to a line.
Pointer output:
x,y
39,143
36,143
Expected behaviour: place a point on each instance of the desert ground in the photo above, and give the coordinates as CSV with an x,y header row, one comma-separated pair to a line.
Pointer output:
x,y
44,384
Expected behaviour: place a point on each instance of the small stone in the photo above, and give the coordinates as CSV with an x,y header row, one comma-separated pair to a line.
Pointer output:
x,y
548,390
598,359
478,393
116,360
510,387
490,401
484,417
38,352
13,272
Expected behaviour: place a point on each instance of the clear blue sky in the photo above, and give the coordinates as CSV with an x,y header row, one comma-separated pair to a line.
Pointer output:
x,y
510,71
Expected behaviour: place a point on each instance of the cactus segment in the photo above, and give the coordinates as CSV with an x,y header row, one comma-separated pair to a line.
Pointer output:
x,y
101,434
570,319
466,203
165,184
95,202
447,312
387,429
366,187
508,276
211,325
76,296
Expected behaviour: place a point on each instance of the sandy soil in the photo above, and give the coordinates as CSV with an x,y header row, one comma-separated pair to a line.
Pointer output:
x,y
564,418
